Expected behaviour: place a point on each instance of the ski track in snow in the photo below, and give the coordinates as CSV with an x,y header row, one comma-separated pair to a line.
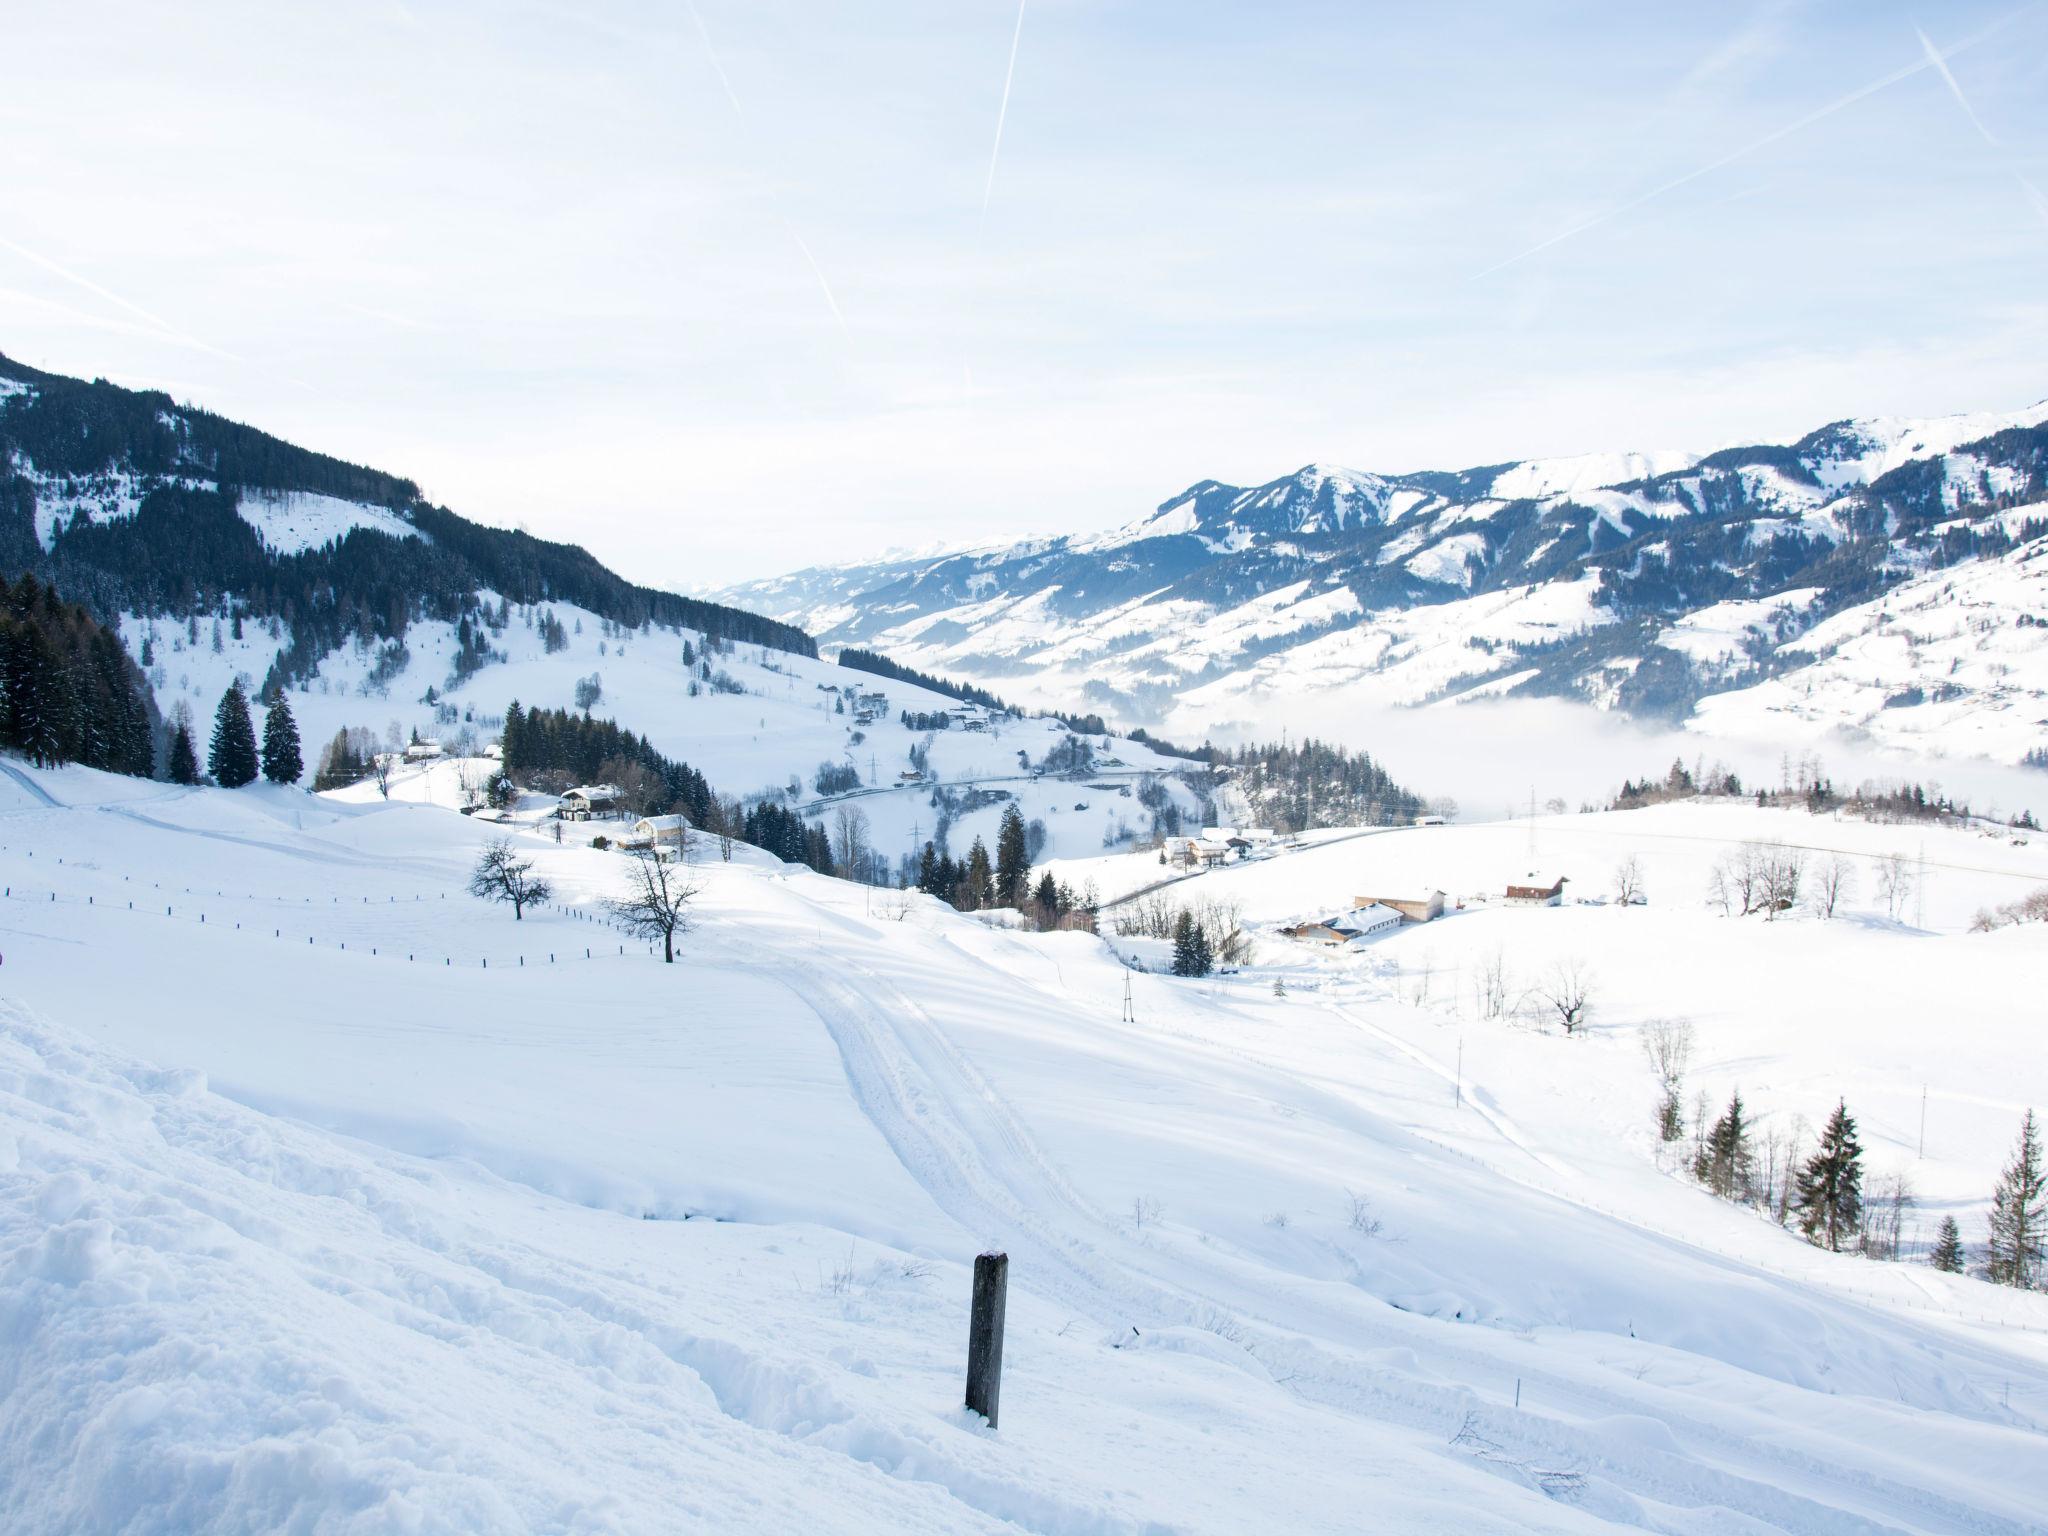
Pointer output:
x,y
928,1102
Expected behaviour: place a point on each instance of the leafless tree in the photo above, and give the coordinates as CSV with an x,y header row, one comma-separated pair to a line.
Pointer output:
x,y
1669,1045
470,782
1834,882
1490,984
1894,883
1884,1216
1628,881
1566,993
1784,870
657,903
380,770
849,840
502,875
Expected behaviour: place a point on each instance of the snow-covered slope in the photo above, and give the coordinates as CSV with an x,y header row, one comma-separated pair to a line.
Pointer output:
x,y
1665,579
591,1244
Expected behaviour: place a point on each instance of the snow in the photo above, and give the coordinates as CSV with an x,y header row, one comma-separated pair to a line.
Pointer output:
x,y
291,523
297,1236
1887,442
1721,632
1536,478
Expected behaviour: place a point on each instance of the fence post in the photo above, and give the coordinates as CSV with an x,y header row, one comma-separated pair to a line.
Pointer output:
x,y
985,1334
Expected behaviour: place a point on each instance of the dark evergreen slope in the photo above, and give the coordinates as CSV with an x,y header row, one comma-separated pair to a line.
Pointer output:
x,y
187,548
68,692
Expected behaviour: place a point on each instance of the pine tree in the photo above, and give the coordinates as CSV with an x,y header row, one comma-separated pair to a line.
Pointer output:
x,y
1725,1165
2017,1252
1948,1247
981,883
1013,864
282,763
928,871
182,763
231,758
1191,953
1830,1199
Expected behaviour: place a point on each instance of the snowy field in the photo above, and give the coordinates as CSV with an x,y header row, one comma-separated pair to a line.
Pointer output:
x,y
433,1224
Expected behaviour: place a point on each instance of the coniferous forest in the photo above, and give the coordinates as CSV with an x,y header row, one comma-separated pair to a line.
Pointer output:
x,y
186,548
68,691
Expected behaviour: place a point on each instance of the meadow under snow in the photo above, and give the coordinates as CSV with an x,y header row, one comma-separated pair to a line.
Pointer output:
x,y
331,1199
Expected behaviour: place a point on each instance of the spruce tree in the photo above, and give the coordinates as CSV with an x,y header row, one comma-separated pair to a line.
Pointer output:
x,y
282,763
231,758
182,763
2017,1252
1191,952
1948,1247
928,871
1013,864
1830,1200
981,882
1725,1165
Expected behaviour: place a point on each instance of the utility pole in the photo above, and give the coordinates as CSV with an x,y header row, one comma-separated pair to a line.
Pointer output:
x,y
1130,1017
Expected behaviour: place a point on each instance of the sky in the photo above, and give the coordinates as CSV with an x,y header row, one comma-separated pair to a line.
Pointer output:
x,y
721,289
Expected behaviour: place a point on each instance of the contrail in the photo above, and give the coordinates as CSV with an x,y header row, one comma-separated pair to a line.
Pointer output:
x,y
1002,112
1807,121
711,53
822,283
1939,62
155,321
2034,195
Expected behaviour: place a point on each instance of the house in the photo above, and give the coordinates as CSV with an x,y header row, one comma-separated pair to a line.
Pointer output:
x,y
873,703
423,752
910,776
1429,821
659,832
1420,907
590,802
1336,932
1534,890
495,752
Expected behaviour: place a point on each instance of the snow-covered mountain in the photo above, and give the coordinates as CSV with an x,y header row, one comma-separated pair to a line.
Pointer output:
x,y
1662,584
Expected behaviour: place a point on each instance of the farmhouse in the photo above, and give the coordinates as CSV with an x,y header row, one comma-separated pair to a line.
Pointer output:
x,y
1335,932
1417,907
660,831
423,752
590,802
1534,890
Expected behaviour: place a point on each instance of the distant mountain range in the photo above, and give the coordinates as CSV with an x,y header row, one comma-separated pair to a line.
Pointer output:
x,y
1879,577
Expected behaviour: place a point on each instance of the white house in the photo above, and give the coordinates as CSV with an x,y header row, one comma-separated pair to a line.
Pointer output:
x,y
1336,932
590,802
423,752
660,831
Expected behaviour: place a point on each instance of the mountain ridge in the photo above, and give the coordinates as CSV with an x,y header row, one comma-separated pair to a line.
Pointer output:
x,y
1168,618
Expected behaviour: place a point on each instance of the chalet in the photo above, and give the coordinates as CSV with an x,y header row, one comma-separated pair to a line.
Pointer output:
x,y
1419,907
1429,821
591,802
1534,890
910,776
659,832
495,752
423,752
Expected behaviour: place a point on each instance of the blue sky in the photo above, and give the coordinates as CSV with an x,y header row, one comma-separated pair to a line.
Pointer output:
x,y
723,288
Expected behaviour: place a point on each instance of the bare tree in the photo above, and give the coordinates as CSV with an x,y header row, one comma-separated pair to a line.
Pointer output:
x,y
849,840
1567,992
1628,881
380,770
470,782
1669,1045
1783,871
1894,883
657,905
1490,984
501,875
1834,882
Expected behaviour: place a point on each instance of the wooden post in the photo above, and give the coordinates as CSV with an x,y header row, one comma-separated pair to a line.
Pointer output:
x,y
985,1334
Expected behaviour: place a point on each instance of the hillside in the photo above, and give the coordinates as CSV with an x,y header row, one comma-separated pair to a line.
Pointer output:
x,y
588,1244
1656,585
130,502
